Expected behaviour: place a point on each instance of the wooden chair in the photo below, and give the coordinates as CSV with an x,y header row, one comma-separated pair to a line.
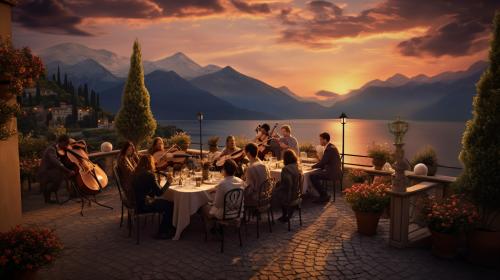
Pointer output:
x,y
327,184
233,204
295,200
131,209
263,205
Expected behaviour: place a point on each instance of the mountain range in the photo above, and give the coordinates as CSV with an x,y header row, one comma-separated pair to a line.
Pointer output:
x,y
180,87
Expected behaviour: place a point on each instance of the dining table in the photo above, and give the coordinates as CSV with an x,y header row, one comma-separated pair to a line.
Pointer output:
x,y
187,199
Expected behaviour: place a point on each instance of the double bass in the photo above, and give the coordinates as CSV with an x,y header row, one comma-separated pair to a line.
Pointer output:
x,y
89,178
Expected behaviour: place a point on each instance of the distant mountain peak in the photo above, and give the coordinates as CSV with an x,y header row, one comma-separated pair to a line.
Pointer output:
x,y
398,79
229,70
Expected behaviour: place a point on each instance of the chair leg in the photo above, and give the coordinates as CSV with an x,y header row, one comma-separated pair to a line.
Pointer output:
x,y
269,220
138,226
300,215
239,235
222,239
129,223
121,218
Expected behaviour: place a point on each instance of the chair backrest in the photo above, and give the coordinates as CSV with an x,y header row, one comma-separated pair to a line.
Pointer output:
x,y
295,192
117,180
233,204
265,192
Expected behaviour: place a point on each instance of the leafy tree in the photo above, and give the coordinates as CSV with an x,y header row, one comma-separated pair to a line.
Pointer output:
x,y
481,140
135,121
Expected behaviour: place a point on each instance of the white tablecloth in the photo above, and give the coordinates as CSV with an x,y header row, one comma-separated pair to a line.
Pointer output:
x,y
187,200
276,174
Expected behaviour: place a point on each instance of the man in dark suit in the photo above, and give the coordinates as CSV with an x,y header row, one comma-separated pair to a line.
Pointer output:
x,y
329,168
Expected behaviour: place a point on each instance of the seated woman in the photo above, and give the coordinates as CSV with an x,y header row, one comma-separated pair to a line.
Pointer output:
x,y
146,188
286,190
230,182
157,150
127,162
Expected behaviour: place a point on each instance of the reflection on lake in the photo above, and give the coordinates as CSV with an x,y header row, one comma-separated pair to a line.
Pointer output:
x,y
445,137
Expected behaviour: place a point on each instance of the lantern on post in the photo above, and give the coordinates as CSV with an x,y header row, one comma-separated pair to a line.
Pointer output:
x,y
343,121
200,119
399,128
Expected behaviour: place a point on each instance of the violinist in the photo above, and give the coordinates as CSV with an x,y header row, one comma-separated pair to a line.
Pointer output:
x,y
157,150
52,171
287,141
230,146
234,153
127,162
261,139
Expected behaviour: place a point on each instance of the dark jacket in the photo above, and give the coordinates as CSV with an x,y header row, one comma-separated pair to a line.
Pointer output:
x,y
145,184
330,162
288,188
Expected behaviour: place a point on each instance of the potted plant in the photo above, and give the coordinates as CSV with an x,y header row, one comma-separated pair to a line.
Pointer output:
x,y
427,156
212,144
380,154
25,250
357,176
368,202
309,149
181,139
446,220
480,180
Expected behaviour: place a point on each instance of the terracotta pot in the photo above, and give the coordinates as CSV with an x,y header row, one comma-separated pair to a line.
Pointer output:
x,y
367,222
484,247
432,170
378,163
23,275
444,245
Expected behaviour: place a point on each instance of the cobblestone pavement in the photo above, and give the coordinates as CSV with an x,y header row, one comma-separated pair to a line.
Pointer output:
x,y
325,247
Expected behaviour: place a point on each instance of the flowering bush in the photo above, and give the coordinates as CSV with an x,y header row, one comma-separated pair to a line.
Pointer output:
x,y
18,66
29,166
27,249
357,175
368,197
450,215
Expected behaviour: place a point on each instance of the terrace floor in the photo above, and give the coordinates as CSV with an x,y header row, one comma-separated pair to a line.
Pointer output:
x,y
325,247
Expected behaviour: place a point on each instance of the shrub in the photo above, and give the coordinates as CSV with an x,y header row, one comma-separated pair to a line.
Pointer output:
x,y
379,152
357,176
427,156
366,197
308,148
181,139
28,249
241,141
31,147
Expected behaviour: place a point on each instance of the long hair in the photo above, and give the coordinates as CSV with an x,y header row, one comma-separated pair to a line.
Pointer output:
x,y
146,164
152,149
125,147
289,157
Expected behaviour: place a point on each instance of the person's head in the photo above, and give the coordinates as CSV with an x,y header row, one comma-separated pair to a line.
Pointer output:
x,y
128,149
229,168
63,141
251,150
157,144
324,138
264,129
286,130
289,157
146,164
230,142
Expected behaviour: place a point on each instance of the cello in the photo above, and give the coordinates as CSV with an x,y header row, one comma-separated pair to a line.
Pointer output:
x,y
89,178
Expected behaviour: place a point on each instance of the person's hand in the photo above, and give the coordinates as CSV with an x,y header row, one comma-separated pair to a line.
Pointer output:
x,y
283,145
170,179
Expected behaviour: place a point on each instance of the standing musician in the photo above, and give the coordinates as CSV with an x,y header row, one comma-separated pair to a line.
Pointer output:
x,y
52,171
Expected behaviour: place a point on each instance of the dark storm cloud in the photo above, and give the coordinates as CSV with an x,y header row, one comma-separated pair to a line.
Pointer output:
x,y
48,16
454,27
258,8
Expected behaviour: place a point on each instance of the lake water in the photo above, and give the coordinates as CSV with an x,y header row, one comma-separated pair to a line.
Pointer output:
x,y
445,137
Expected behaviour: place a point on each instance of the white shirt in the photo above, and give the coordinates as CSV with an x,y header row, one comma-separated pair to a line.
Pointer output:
x,y
227,184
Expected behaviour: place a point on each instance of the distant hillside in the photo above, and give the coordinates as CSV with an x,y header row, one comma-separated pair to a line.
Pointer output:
x,y
174,98
251,94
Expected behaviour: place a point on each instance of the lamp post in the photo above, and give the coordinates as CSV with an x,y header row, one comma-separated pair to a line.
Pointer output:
x,y
398,128
200,118
343,120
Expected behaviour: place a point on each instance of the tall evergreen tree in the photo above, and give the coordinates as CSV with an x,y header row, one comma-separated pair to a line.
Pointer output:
x,y
54,78
86,95
58,76
65,85
74,108
30,99
38,95
135,121
481,140
92,99
98,102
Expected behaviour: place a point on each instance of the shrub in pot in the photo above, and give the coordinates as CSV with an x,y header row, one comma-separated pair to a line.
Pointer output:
x,y
368,202
380,154
480,180
181,139
427,156
25,250
447,219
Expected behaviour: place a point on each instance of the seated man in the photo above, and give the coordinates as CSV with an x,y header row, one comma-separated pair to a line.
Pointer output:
x,y
329,168
52,171
255,175
287,141
230,182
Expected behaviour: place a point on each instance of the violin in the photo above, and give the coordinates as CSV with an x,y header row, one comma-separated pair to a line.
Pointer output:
x,y
173,155
90,179
236,156
262,144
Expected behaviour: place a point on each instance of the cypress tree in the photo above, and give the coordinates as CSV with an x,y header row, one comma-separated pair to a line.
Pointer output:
x,y
135,121
38,95
86,95
58,76
480,153
66,87
92,99
54,78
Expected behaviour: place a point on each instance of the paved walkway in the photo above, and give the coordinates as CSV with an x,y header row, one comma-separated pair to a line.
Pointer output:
x,y
325,247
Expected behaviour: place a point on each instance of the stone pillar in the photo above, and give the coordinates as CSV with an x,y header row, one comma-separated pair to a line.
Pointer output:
x,y
10,183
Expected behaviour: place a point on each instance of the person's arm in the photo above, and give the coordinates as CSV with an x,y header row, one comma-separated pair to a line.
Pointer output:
x,y
157,190
219,198
324,160
54,160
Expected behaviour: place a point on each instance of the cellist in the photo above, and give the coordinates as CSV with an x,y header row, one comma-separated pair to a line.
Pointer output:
x,y
52,171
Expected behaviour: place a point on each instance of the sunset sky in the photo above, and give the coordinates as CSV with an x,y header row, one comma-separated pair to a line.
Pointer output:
x,y
305,45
